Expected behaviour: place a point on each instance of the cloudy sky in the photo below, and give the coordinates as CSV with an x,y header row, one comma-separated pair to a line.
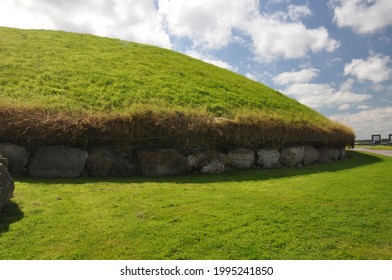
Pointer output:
x,y
332,55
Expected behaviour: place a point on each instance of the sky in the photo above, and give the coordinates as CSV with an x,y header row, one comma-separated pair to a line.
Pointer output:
x,y
334,56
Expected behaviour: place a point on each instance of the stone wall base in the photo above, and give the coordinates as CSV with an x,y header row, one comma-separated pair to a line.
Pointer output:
x,y
61,161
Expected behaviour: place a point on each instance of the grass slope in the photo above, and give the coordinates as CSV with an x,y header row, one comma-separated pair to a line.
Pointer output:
x,y
55,84
317,212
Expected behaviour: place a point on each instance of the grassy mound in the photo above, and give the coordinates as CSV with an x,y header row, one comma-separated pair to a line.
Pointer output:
x,y
58,87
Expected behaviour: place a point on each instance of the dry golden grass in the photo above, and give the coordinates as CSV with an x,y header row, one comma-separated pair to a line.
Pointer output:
x,y
160,128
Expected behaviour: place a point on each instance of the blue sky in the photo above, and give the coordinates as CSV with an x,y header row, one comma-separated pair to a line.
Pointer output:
x,y
334,56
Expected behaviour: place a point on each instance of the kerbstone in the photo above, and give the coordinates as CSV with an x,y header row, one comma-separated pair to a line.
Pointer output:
x,y
162,162
268,158
311,155
242,158
292,156
328,154
58,162
17,157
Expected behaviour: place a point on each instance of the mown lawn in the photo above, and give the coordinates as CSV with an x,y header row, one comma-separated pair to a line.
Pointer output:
x,y
328,211
376,147
379,147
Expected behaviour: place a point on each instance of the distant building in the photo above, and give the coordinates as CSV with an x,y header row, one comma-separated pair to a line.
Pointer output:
x,y
376,139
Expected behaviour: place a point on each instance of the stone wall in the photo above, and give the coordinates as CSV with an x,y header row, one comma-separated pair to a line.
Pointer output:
x,y
107,161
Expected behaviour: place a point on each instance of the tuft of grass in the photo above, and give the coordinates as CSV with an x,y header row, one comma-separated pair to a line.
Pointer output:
x,y
61,83
325,211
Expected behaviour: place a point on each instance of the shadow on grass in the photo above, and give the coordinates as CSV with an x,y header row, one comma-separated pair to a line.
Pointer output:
x,y
11,213
355,159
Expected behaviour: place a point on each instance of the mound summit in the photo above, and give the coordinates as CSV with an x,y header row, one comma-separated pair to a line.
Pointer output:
x,y
77,89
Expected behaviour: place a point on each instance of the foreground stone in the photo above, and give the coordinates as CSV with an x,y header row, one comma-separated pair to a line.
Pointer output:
x,y
162,162
58,162
268,158
6,187
17,157
242,158
292,156
328,154
311,155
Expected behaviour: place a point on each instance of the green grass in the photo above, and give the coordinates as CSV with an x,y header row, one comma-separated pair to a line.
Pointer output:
x,y
375,147
77,72
59,84
380,147
327,211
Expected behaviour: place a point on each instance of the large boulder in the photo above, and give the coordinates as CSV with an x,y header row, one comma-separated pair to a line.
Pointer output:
x,y
268,158
162,162
17,157
214,166
242,158
106,161
58,162
311,155
292,156
328,154
6,186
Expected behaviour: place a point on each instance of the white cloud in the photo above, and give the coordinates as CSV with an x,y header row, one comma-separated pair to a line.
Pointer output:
x,y
133,20
296,12
211,60
325,95
374,69
22,14
293,13
207,23
210,24
344,107
368,122
273,39
363,16
363,107
302,76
